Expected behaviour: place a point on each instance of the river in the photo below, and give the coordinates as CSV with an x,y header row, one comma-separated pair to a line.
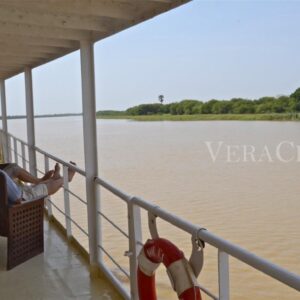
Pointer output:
x,y
239,180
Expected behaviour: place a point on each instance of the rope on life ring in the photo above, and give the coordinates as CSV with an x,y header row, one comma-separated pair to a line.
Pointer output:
x,y
182,277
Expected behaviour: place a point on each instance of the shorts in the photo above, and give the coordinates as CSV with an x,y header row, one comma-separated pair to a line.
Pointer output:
x,y
34,192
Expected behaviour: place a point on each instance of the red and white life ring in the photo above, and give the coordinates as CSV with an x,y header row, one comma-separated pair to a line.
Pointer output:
x,y
182,277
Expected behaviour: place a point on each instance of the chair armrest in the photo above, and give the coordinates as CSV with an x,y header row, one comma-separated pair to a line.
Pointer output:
x,y
27,205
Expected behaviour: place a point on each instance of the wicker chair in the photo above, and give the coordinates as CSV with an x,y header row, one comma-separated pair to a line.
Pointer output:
x,y
23,226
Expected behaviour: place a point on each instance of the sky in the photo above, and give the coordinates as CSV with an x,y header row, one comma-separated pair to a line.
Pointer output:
x,y
203,50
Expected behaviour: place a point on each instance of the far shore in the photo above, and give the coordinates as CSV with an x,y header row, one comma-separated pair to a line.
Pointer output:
x,y
207,117
44,116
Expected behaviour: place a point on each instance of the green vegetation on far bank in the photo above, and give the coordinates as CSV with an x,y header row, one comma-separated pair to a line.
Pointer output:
x,y
45,116
208,117
283,108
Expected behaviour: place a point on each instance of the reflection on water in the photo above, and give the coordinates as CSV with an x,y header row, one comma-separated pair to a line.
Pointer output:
x,y
254,204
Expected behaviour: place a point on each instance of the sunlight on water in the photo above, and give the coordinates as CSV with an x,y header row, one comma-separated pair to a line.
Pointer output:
x,y
253,204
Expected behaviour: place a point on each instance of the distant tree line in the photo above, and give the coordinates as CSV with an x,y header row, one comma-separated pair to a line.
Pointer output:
x,y
110,113
281,104
44,116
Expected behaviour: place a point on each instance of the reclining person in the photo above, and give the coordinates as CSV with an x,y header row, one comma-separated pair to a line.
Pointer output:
x,y
18,173
38,187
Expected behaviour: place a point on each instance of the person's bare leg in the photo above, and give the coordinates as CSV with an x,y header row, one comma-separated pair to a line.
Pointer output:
x,y
56,182
56,173
71,172
25,176
53,185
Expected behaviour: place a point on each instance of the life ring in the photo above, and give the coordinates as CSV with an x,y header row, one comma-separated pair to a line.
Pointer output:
x,y
182,277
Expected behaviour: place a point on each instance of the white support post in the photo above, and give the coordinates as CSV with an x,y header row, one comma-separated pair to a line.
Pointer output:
x,y
30,121
6,140
90,149
16,150
135,240
48,199
23,155
67,202
223,264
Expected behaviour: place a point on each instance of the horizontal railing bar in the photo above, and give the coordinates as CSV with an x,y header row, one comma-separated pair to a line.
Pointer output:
x,y
19,155
167,216
113,189
263,265
75,223
16,138
115,281
26,160
41,172
69,165
78,226
11,148
76,196
140,243
55,206
114,261
113,224
207,292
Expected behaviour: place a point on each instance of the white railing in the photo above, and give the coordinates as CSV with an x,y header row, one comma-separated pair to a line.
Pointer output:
x,y
134,234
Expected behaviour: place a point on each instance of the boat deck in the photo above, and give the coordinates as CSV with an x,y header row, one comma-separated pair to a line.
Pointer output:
x,y
60,273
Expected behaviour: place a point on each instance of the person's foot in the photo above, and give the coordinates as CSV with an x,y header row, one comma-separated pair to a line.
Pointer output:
x,y
56,174
71,172
48,175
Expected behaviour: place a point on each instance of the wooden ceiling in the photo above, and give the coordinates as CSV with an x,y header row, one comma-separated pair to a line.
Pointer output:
x,y
35,32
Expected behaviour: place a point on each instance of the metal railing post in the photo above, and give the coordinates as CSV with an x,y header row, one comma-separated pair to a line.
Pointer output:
x,y
135,238
223,268
99,223
16,150
48,202
67,202
30,121
9,147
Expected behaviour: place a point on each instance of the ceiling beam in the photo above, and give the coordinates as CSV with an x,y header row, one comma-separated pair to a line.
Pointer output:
x,y
18,47
106,8
30,17
43,32
18,54
16,61
9,64
143,1
38,41
5,69
8,74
